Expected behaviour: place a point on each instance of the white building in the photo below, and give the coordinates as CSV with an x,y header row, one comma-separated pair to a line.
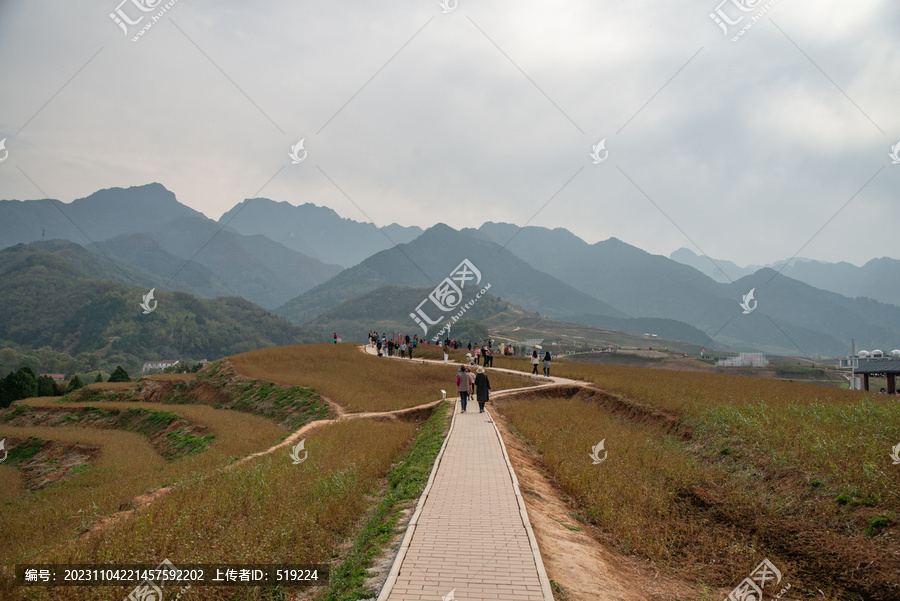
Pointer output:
x,y
161,364
744,360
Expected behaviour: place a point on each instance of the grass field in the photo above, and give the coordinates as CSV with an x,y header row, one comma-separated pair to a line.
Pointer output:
x,y
267,510
357,381
797,472
128,466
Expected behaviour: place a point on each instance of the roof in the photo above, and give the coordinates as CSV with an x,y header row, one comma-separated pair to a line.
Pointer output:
x,y
878,365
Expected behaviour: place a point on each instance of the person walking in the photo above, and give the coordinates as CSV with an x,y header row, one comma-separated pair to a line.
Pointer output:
x,y
477,354
335,338
409,348
534,361
378,346
403,350
446,349
462,386
488,357
547,364
483,388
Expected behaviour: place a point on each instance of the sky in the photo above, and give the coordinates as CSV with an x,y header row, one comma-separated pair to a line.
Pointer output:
x,y
753,148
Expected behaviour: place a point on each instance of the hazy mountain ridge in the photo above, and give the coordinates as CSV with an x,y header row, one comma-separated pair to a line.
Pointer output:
x,y
121,222
554,273
432,257
313,230
878,279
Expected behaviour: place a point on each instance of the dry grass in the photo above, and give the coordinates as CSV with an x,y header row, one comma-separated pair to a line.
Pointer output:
x,y
357,381
839,437
633,494
127,467
266,511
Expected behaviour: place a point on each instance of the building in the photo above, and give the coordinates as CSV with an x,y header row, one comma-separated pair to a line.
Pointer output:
x,y
887,366
54,377
161,364
744,360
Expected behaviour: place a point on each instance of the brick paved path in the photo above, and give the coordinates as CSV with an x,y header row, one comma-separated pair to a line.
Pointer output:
x,y
471,533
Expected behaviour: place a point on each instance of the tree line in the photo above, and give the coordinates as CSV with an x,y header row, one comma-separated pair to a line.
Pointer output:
x,y
23,384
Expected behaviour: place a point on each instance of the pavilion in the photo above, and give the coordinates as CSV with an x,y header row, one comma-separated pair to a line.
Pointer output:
x,y
889,366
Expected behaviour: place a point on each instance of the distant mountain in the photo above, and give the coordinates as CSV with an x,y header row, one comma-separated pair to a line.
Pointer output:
x,y
430,258
791,317
878,279
316,231
255,267
45,300
146,226
100,216
626,277
141,252
718,269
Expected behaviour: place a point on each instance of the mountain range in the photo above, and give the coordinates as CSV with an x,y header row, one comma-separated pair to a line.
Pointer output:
x,y
313,267
878,279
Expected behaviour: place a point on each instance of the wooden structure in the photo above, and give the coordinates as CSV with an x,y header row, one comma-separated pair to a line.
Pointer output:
x,y
887,366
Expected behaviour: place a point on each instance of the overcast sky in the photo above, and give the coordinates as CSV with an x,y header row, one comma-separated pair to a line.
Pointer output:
x,y
747,150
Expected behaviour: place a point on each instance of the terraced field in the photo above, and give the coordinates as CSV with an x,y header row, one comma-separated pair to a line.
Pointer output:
x,y
197,469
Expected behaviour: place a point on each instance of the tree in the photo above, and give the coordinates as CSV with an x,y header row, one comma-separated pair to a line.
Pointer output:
x,y
46,386
6,395
75,383
99,377
119,375
26,383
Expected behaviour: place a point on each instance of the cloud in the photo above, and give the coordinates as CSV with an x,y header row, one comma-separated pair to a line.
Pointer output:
x,y
480,114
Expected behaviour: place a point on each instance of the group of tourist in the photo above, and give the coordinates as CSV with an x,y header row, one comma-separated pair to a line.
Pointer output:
x,y
402,347
469,384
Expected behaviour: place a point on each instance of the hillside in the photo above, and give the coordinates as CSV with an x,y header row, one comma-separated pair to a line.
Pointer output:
x,y
386,309
429,259
46,301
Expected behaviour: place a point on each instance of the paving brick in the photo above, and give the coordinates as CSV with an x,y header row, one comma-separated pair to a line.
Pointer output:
x,y
470,535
